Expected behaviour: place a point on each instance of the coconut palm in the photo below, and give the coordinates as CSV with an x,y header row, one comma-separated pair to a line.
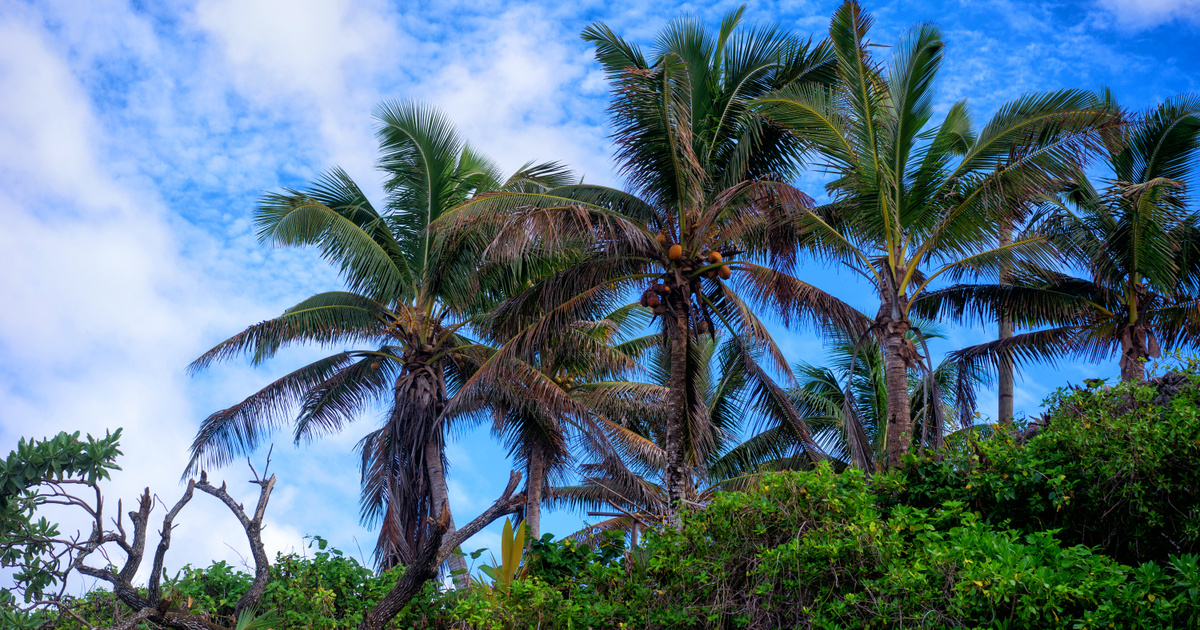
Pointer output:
x,y
1135,239
540,409
915,203
630,477
408,296
821,397
708,229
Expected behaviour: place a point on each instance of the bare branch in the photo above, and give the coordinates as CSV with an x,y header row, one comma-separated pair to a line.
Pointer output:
x,y
164,541
506,504
253,527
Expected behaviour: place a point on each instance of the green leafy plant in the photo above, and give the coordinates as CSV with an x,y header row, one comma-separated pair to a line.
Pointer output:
x,y
512,548
37,474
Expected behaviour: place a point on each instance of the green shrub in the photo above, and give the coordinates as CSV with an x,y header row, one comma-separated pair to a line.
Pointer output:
x,y
1090,523
816,550
1112,467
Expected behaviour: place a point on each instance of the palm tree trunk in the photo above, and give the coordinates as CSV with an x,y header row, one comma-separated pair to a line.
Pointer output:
x,y
441,496
675,476
899,412
1133,354
1005,412
534,482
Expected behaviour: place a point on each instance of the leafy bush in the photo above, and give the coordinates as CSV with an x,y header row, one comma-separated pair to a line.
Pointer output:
x,y
328,591
1090,523
1110,467
816,550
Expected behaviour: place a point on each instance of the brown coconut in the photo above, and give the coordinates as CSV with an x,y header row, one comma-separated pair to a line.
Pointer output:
x,y
725,272
662,289
651,300
676,252
661,239
714,258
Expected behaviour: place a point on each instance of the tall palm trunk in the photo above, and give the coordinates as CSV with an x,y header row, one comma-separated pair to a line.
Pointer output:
x,y
426,390
898,355
675,322
1134,353
1005,411
899,412
440,495
533,492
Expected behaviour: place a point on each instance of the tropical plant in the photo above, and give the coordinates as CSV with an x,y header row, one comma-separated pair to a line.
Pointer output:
x,y
540,409
821,398
408,296
708,229
915,203
512,547
631,477
1137,244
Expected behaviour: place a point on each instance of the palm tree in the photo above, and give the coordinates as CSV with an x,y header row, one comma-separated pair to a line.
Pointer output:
x,y
631,481
821,397
710,209
631,475
407,297
1135,239
915,203
541,408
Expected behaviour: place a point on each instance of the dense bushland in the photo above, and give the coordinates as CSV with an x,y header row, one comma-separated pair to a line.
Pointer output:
x,y
1088,519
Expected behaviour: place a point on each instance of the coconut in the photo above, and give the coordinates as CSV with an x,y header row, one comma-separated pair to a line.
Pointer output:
x,y
651,300
645,300
725,272
661,238
374,365
676,252
714,258
710,274
662,289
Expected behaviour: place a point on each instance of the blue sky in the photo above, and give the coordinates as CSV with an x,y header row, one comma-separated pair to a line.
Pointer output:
x,y
135,136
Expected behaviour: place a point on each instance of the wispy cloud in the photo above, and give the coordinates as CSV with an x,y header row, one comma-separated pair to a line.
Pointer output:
x,y
1132,15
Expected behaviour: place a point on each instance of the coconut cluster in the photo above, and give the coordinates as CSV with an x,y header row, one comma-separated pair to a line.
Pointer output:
x,y
675,253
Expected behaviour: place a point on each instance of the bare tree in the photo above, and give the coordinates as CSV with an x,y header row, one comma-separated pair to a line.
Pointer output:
x,y
44,559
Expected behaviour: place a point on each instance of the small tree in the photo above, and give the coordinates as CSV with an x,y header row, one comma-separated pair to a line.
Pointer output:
x,y
63,470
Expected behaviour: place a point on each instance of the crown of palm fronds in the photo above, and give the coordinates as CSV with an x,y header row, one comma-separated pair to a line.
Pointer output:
x,y
409,293
1136,242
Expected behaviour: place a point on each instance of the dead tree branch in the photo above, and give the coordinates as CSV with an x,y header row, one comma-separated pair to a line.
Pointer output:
x,y
253,527
434,552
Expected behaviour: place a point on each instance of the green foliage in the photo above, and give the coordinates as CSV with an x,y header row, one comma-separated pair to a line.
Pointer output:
x,y
327,591
821,549
1112,467
62,457
565,560
512,547
31,476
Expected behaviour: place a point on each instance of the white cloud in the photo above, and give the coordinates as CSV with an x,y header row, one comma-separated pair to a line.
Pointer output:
x,y
319,60
1141,14
523,88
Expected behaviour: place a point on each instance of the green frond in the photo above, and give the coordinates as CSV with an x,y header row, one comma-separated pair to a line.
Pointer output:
x,y
326,318
242,428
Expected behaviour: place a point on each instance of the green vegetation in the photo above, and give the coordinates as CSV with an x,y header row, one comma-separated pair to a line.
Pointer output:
x,y
616,338
1002,532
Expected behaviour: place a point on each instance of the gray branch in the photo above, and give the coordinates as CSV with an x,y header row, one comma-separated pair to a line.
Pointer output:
x,y
253,527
